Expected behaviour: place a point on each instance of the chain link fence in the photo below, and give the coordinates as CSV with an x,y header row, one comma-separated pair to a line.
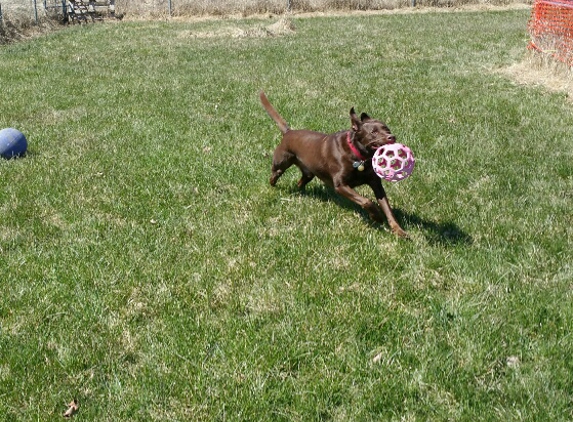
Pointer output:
x,y
20,17
251,7
34,11
14,9
21,13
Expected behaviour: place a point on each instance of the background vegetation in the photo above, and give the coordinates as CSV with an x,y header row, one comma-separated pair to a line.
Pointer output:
x,y
20,20
250,7
150,272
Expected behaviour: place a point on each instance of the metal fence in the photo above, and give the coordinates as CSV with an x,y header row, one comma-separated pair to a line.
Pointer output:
x,y
26,10
199,7
35,10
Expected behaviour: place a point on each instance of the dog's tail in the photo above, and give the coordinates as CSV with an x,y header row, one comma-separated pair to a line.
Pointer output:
x,y
283,125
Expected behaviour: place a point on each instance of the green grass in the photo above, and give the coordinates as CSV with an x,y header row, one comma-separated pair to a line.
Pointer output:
x,y
150,271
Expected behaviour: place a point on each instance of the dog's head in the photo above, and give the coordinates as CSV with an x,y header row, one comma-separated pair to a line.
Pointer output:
x,y
371,133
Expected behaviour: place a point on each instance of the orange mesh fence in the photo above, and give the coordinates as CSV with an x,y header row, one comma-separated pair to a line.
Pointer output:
x,y
551,29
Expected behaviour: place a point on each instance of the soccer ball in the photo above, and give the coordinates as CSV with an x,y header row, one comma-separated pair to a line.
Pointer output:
x,y
393,162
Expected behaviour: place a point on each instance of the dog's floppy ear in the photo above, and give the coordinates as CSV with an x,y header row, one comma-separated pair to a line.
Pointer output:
x,y
356,124
365,117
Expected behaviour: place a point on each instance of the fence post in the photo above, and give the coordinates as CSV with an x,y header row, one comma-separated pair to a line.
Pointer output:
x,y
1,17
36,11
65,11
169,7
289,5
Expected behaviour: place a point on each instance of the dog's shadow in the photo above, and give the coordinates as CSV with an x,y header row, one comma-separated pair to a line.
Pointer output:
x,y
442,233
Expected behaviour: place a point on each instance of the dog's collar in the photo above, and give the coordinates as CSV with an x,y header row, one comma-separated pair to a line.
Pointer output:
x,y
353,148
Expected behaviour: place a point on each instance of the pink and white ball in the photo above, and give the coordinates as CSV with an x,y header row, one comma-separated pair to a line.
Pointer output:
x,y
393,162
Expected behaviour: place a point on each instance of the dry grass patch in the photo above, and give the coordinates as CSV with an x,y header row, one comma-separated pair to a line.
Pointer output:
x,y
282,27
541,70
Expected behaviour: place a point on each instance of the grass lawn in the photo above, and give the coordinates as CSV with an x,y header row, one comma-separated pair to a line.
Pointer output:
x,y
149,271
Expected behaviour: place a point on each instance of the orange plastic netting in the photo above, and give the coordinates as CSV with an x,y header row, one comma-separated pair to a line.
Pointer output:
x,y
551,29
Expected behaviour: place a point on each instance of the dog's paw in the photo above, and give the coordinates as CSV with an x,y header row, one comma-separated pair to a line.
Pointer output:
x,y
400,233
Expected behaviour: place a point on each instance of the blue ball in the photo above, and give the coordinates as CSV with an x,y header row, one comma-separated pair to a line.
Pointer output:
x,y
12,143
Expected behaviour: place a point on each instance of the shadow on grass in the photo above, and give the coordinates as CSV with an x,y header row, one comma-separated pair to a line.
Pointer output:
x,y
443,233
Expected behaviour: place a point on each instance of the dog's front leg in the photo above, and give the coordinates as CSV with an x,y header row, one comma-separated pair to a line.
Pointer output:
x,y
365,203
394,226
385,205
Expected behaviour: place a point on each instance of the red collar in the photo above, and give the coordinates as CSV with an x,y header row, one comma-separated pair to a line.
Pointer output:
x,y
353,148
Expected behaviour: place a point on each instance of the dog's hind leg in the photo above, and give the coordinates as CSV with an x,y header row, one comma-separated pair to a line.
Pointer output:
x,y
306,177
282,160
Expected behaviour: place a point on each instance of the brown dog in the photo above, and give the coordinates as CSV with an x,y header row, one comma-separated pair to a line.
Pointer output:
x,y
342,160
